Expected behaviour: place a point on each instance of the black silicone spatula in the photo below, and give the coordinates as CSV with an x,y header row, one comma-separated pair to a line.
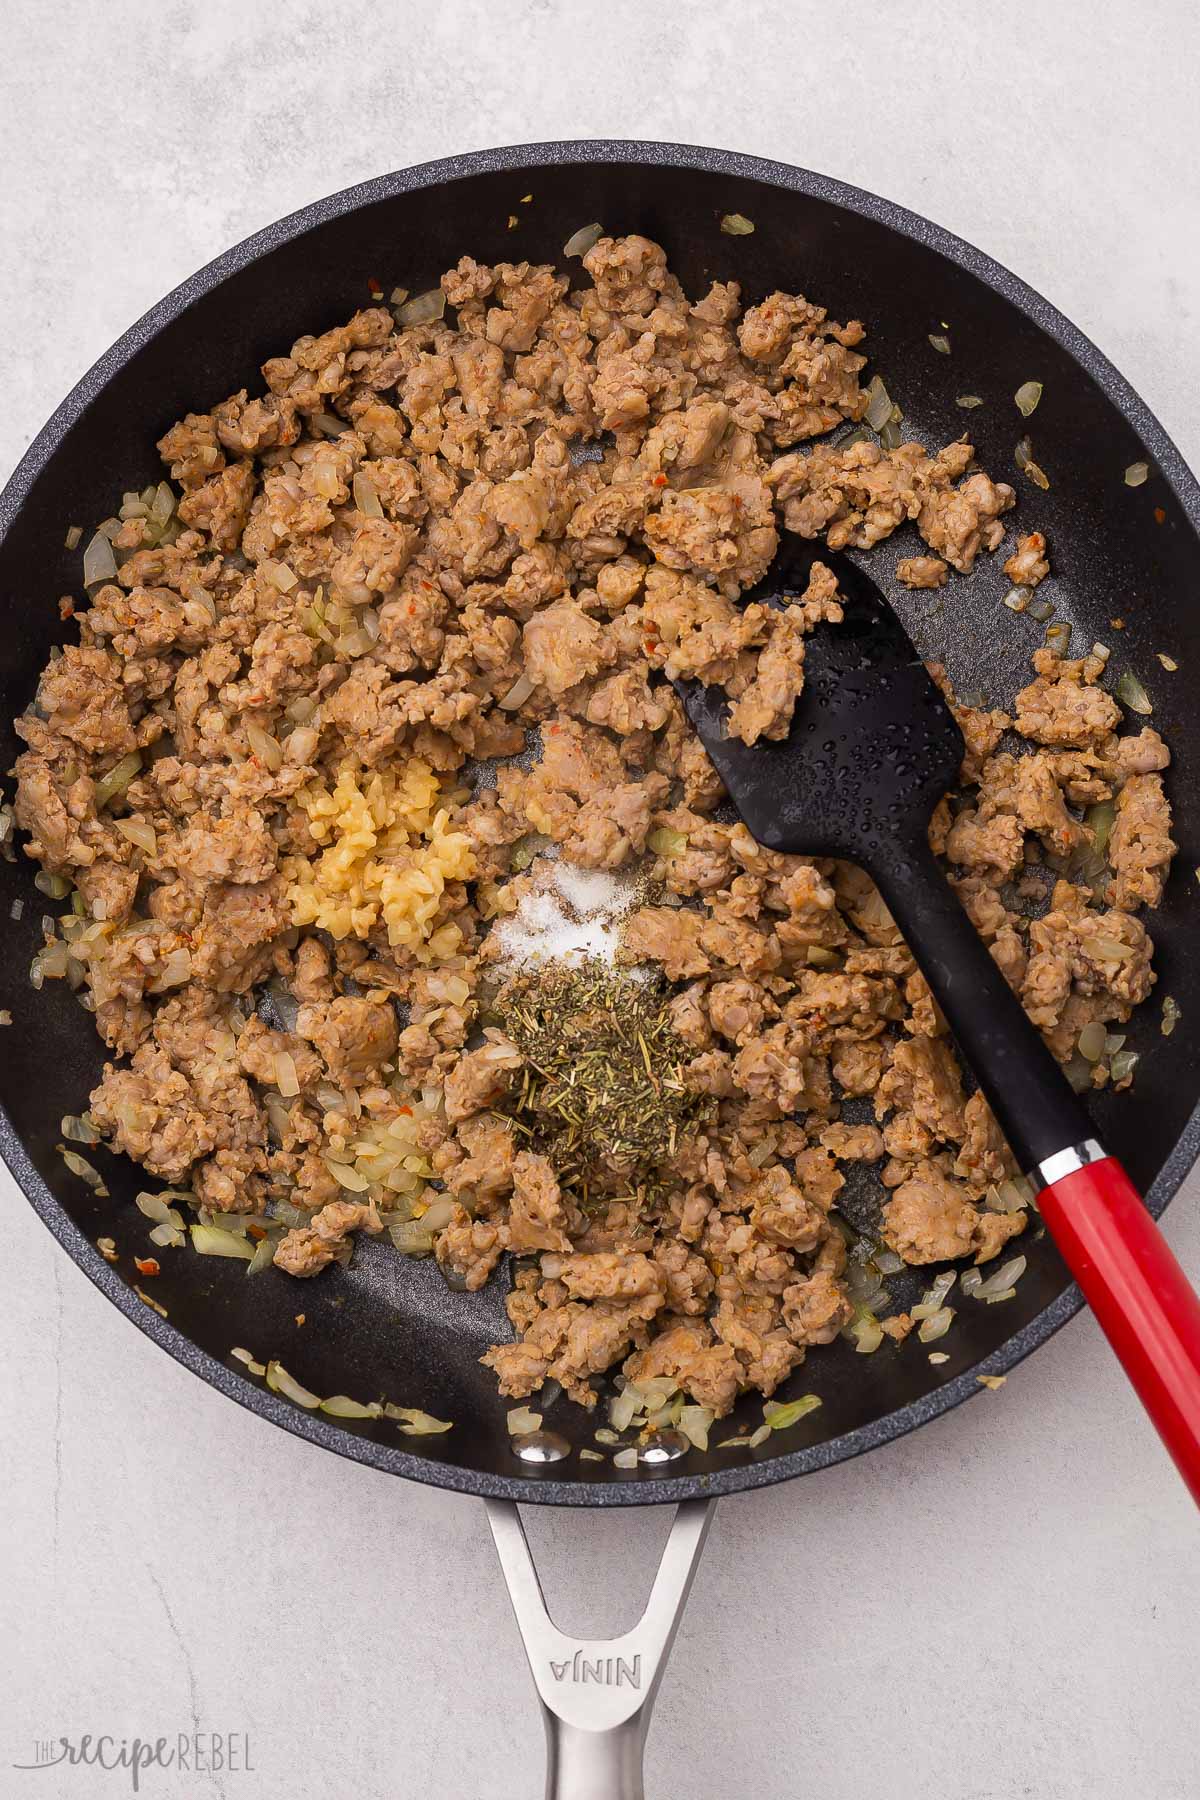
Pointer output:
x,y
872,748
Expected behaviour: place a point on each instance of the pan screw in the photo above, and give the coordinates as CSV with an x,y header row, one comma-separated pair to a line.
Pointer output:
x,y
663,1447
540,1447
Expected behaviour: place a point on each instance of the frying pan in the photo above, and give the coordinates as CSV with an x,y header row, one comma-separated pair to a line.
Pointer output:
x,y
389,1325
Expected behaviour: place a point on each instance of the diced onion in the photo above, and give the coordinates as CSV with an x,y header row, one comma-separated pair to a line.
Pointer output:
x,y
665,842
1005,1277
522,1420
581,241
695,1422
1171,1015
167,1237
1099,820
780,1415
213,1240
83,1131
280,1382
972,1281
936,1325
411,1238
1027,397
879,404
155,1207
340,1406
99,563
139,832
347,1176
424,308
1136,474
286,1078
366,498
1123,1064
325,478
118,778
933,1299
266,747
758,1437
940,343
1132,694
969,400
517,694
1017,599
627,1458
1091,1041
415,1423
264,1256
438,1214
737,225
866,1331
79,1165
278,574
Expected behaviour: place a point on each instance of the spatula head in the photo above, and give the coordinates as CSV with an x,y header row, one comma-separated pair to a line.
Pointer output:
x,y
873,745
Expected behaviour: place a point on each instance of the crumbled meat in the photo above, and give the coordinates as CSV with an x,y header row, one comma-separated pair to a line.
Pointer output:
x,y
417,552
930,1218
922,572
538,1217
1063,707
354,1036
1140,846
307,1249
1028,563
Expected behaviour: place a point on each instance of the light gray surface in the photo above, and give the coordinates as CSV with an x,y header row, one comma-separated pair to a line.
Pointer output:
x,y
1002,1606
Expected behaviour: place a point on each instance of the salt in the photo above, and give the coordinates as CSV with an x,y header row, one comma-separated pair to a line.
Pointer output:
x,y
569,915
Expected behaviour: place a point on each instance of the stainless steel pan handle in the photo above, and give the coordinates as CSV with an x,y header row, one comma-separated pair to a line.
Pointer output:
x,y
597,1694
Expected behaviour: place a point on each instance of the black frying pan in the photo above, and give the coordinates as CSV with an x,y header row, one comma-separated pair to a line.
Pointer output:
x,y
388,1324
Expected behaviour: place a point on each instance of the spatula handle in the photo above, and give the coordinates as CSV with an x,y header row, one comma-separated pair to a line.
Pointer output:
x,y
1143,1300
1146,1306
1025,1088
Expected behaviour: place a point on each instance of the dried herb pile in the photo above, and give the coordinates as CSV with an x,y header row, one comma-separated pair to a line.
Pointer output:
x,y
603,1084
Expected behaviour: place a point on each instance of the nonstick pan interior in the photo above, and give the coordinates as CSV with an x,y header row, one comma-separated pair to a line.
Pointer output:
x,y
388,1325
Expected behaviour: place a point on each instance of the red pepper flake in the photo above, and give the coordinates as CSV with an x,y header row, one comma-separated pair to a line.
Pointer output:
x,y
406,1110
300,1318
660,480
257,1232
1160,517
147,1265
373,286
66,607
428,585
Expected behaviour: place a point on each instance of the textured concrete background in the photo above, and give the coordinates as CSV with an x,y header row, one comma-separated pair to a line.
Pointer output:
x,y
1002,1606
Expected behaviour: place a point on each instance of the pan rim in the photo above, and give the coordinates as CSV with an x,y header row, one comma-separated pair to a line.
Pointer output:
x,y
643,1488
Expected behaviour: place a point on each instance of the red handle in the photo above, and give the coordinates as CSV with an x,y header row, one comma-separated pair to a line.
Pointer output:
x,y
1142,1298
